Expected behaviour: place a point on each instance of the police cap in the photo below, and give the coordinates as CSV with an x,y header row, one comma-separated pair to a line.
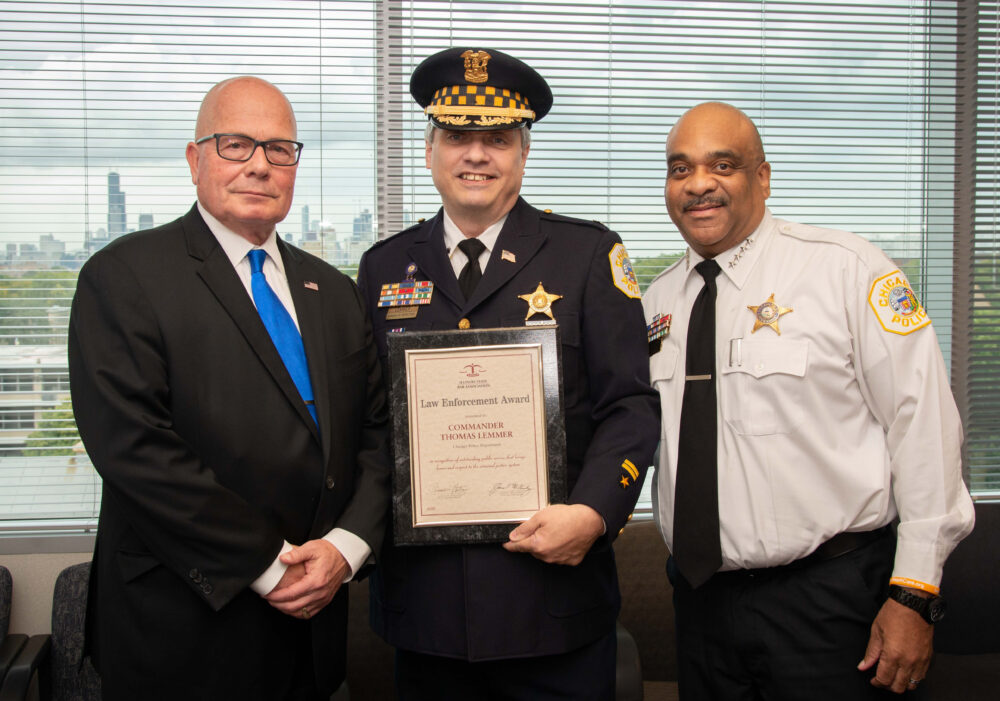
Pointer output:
x,y
478,89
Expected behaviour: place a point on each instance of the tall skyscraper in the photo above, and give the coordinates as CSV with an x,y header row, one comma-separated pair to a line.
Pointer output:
x,y
116,207
145,222
308,231
362,227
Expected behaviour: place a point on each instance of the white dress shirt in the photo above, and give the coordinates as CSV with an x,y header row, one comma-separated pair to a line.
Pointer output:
x,y
453,236
354,549
835,424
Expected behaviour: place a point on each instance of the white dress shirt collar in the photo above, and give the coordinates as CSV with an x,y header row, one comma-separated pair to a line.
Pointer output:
x,y
453,236
236,247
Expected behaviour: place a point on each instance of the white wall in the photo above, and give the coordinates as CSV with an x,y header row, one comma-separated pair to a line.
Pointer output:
x,y
34,579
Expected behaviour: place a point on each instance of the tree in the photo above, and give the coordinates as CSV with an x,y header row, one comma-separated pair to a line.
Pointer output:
x,y
56,433
34,306
646,269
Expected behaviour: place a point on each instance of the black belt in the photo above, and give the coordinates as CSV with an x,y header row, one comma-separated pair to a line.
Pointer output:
x,y
838,545
841,544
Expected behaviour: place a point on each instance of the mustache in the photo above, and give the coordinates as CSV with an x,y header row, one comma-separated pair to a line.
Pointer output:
x,y
716,200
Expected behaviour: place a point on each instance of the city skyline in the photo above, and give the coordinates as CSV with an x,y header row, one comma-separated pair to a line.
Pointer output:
x,y
314,235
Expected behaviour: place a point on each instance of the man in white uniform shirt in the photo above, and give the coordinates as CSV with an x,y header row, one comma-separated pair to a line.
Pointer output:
x,y
824,415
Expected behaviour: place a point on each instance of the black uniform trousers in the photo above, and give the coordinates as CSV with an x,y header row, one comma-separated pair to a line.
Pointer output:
x,y
544,678
783,633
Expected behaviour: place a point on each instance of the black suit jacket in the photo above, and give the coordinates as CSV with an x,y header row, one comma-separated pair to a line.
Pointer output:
x,y
482,602
210,459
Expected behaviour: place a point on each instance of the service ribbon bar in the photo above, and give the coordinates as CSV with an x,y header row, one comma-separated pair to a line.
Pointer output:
x,y
403,294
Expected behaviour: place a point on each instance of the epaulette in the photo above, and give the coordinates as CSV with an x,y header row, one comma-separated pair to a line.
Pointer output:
x,y
547,214
407,230
866,251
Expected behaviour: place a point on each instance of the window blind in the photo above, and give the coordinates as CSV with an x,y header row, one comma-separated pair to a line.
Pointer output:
x,y
98,100
982,378
854,100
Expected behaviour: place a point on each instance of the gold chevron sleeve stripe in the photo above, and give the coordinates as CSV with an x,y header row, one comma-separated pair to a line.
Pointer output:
x,y
631,469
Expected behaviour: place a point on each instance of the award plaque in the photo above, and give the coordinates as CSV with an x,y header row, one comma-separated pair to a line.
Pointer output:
x,y
478,432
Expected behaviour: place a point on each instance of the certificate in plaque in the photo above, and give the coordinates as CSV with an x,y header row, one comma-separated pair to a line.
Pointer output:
x,y
478,432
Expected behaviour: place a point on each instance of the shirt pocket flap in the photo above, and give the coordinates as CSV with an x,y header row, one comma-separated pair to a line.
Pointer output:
x,y
763,357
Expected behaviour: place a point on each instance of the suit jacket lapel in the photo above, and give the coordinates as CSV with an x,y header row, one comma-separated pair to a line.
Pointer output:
x,y
521,236
431,257
309,310
221,278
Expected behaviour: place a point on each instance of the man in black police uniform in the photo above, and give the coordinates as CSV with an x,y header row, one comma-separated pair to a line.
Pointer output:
x,y
533,618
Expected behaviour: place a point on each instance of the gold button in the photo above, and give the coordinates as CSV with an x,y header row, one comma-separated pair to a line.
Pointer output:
x,y
547,211
421,220
464,324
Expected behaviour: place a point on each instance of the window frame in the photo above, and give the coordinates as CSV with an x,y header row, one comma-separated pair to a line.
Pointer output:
x,y
393,115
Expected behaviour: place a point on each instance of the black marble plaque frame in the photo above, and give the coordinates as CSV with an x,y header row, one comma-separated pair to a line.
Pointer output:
x,y
545,336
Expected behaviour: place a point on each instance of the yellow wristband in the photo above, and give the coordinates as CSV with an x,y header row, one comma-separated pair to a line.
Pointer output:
x,y
914,584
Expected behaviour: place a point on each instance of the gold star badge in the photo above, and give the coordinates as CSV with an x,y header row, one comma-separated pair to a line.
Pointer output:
x,y
767,314
539,302
624,482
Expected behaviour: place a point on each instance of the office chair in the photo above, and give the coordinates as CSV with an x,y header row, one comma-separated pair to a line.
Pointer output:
x,y
10,645
56,660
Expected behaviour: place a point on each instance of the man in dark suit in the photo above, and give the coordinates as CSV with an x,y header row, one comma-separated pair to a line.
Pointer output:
x,y
534,618
228,391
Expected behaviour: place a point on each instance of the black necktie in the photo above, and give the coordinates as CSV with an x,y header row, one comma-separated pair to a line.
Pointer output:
x,y
696,548
471,273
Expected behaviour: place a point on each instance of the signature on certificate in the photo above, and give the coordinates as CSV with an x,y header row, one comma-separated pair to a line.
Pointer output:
x,y
510,489
451,491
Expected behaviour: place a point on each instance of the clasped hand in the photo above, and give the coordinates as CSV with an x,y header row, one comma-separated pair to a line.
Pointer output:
x,y
316,570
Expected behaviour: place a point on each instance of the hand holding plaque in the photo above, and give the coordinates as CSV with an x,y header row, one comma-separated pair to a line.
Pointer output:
x,y
560,534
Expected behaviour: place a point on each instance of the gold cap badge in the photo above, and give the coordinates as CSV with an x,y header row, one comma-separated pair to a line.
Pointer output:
x,y
475,66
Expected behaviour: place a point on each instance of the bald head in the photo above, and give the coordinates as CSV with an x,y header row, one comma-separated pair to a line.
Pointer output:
x,y
719,116
242,88
717,177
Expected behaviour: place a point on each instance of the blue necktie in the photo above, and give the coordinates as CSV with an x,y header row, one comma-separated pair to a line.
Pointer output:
x,y
279,324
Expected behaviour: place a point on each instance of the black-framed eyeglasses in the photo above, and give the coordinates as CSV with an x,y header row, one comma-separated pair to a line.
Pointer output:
x,y
239,147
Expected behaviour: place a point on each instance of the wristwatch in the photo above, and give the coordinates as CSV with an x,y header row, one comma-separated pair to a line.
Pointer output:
x,y
930,609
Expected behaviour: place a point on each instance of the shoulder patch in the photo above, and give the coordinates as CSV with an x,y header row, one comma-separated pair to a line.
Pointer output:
x,y
895,305
621,272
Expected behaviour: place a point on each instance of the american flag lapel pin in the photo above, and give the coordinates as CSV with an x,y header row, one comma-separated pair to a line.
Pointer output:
x,y
311,286
507,256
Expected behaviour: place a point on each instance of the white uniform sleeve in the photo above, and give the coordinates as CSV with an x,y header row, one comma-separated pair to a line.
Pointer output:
x,y
905,384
